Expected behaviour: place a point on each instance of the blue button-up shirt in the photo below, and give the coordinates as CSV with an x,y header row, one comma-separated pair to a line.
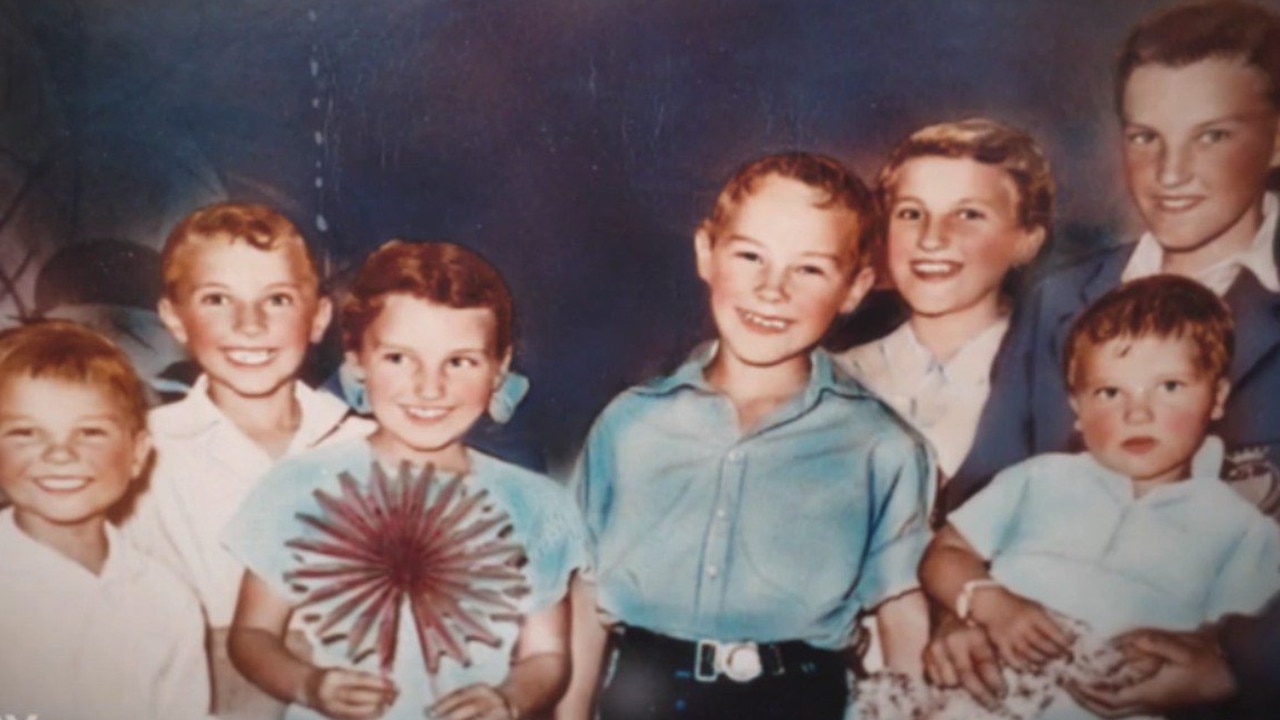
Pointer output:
x,y
784,532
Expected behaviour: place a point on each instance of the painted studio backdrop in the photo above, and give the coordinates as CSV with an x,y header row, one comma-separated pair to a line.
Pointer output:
x,y
575,143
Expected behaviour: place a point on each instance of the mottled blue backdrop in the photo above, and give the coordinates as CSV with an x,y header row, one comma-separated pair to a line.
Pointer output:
x,y
574,142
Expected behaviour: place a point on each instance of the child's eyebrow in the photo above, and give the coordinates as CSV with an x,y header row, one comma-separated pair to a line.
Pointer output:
x,y
1236,118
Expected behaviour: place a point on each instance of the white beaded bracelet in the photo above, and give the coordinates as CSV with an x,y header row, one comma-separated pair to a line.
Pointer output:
x,y
964,601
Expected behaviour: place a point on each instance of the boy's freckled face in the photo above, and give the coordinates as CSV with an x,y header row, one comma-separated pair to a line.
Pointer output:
x,y
429,371
246,316
1143,407
954,234
779,273
1198,143
67,452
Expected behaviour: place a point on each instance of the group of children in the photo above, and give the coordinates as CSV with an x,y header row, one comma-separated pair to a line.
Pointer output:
x,y
738,523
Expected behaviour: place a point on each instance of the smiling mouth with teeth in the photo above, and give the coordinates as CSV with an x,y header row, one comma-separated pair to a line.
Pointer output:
x,y
1175,204
930,269
250,357
62,484
764,322
425,413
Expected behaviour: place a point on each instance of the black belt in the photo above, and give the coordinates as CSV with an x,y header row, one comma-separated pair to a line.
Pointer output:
x,y
708,660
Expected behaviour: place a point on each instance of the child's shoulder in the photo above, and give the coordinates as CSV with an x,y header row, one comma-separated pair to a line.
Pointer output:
x,y
519,481
156,583
1103,266
1227,507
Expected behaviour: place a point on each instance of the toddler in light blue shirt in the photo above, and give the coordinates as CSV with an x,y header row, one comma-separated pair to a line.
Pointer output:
x,y
1136,531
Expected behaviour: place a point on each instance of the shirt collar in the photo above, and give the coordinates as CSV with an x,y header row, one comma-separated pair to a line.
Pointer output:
x,y
1259,258
1205,468
970,365
23,552
824,375
320,411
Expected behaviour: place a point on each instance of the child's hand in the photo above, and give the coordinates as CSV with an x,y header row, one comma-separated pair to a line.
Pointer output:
x,y
474,702
962,655
348,694
1024,633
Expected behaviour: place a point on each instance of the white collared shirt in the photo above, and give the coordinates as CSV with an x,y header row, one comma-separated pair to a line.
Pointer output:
x,y
942,400
1259,258
125,644
205,466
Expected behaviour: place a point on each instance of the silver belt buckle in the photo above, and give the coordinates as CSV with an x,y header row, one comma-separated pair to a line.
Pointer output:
x,y
740,661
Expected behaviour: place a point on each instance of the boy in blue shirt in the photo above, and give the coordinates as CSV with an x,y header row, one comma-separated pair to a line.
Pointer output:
x,y
1198,93
747,508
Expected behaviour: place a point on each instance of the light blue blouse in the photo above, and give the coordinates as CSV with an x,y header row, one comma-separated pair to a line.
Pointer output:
x,y
543,518
784,532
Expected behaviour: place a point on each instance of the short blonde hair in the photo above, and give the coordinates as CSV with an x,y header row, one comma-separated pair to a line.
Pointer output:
x,y
843,189
64,350
988,142
228,223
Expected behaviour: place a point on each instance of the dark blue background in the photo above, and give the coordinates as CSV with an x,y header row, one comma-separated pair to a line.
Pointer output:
x,y
575,143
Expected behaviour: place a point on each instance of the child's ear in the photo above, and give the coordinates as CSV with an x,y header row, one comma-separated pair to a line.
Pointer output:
x,y
171,320
1275,145
323,316
702,247
1220,394
1029,245
141,453
503,367
858,289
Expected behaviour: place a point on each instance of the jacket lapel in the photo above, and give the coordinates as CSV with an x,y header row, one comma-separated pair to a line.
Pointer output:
x,y
1103,276
1257,316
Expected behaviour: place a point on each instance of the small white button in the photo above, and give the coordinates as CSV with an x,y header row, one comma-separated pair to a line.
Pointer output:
x,y
721,513
712,571
735,455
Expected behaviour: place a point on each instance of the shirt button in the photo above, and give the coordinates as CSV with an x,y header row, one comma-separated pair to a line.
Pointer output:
x,y
712,571
721,513
735,456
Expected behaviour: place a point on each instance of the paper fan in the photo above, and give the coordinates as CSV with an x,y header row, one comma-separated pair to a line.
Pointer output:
x,y
431,543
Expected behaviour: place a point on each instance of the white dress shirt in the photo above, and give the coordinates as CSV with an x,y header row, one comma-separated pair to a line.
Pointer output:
x,y
205,466
942,400
125,644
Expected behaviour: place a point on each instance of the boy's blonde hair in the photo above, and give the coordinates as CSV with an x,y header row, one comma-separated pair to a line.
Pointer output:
x,y
842,188
1186,34
990,143
67,351
1163,306
229,223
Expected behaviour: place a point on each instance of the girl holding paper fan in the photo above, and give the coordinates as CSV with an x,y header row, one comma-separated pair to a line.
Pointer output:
x,y
427,576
